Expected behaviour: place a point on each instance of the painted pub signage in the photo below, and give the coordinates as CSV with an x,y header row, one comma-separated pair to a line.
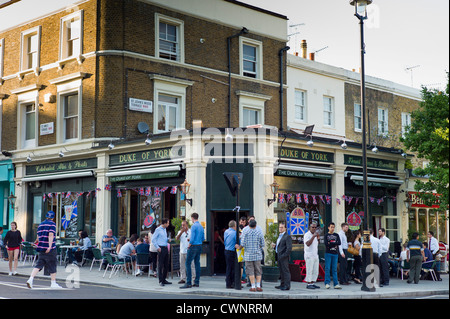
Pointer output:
x,y
306,155
60,167
145,156
371,162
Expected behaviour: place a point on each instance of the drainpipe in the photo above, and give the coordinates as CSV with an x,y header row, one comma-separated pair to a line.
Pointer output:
x,y
243,31
280,54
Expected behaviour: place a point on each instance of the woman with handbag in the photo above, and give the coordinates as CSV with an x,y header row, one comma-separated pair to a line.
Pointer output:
x,y
356,252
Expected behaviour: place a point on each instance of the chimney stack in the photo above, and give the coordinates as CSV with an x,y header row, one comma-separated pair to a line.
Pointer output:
x,y
304,49
311,56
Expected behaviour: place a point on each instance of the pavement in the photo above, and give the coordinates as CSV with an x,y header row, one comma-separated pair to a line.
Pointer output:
x,y
215,285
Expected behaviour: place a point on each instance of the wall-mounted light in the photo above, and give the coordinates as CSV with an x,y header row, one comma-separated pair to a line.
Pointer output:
x,y
228,136
310,143
148,140
344,145
308,132
29,159
12,200
202,40
185,186
404,155
111,145
61,152
274,187
375,149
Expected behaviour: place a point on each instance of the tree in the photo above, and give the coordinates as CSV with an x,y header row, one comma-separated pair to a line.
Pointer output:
x,y
427,136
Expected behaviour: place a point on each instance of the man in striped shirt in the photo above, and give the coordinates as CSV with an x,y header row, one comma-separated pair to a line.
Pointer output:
x,y
415,256
46,248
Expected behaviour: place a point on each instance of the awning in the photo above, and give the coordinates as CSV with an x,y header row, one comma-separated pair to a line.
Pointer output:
x,y
35,178
144,173
377,181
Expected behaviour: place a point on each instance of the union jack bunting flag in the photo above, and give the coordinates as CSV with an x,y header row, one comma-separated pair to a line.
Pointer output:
x,y
349,199
148,191
372,199
141,191
68,194
281,198
305,197
298,198
108,187
157,191
321,198
119,193
44,197
173,190
288,197
50,195
314,199
328,198
164,189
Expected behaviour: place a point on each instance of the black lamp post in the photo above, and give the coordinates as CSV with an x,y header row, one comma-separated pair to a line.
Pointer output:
x,y
367,256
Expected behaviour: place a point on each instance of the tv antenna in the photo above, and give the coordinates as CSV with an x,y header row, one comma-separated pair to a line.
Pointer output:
x,y
411,68
294,33
317,51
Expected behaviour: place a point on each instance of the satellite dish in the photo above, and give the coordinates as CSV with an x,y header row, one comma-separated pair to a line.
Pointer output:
x,y
143,128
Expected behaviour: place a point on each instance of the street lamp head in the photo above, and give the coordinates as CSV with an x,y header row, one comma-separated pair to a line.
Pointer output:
x,y
360,7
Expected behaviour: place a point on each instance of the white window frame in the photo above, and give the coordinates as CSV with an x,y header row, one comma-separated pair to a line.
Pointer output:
x,y
31,97
406,121
2,59
179,24
357,119
383,123
63,90
259,56
330,112
302,106
24,66
248,100
64,40
170,87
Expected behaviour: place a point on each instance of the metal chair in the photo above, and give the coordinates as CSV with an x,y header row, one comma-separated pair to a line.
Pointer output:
x,y
430,270
114,264
30,253
142,260
401,267
97,258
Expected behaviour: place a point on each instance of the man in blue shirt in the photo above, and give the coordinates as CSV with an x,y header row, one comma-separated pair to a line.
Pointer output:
x,y
160,241
47,250
230,253
194,251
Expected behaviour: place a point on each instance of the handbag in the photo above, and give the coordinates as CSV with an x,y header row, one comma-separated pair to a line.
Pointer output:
x,y
352,250
240,255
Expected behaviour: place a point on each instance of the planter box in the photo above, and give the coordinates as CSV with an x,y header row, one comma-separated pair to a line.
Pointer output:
x,y
271,274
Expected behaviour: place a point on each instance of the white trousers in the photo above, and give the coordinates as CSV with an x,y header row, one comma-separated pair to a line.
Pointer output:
x,y
312,268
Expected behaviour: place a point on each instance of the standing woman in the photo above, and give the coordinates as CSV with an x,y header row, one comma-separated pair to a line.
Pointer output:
x,y
13,239
358,260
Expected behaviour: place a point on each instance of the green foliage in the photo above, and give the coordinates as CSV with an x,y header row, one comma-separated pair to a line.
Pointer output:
x,y
428,137
270,238
176,222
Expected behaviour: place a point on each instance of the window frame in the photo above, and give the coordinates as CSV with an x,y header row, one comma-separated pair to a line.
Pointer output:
x,y
406,117
385,127
63,36
249,100
259,57
24,48
331,111
2,59
304,106
179,24
356,117
25,99
64,90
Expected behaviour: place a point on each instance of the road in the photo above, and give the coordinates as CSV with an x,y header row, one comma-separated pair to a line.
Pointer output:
x,y
14,287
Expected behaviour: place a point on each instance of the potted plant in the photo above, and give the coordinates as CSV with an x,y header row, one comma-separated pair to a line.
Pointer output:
x,y
271,272
176,223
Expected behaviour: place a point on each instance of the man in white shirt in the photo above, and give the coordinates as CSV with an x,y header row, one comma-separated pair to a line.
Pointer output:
x,y
183,236
311,240
343,277
376,247
433,246
384,258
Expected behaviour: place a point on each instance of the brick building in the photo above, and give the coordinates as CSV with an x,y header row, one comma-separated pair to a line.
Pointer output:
x,y
84,83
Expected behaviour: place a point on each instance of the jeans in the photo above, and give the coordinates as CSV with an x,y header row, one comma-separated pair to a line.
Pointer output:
x,y
331,261
193,255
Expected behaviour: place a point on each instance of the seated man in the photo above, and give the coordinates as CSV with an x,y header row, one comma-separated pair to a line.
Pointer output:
x,y
76,254
108,241
128,252
428,263
142,248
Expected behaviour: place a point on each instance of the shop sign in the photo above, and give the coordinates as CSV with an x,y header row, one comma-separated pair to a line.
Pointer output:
x,y
418,202
137,177
141,105
371,162
306,155
61,166
289,173
376,184
146,156
46,128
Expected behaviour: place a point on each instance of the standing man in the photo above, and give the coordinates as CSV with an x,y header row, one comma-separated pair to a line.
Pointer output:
x,y
194,251
253,244
433,246
376,253
384,257
283,249
183,236
311,240
46,247
415,256
332,249
160,241
343,278
230,253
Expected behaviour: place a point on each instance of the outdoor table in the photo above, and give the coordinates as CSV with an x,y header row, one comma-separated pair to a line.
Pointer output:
x,y
65,247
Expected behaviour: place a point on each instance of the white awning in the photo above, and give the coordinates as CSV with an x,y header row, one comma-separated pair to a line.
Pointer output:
x,y
309,169
377,180
124,172
35,178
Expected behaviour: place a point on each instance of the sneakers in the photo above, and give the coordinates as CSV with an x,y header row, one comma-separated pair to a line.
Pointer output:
x,y
337,287
30,283
54,285
327,286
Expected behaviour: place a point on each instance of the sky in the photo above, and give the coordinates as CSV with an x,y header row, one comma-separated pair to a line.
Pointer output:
x,y
399,35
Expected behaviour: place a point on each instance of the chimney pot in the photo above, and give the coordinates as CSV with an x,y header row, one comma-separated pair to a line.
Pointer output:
x,y
311,56
304,46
